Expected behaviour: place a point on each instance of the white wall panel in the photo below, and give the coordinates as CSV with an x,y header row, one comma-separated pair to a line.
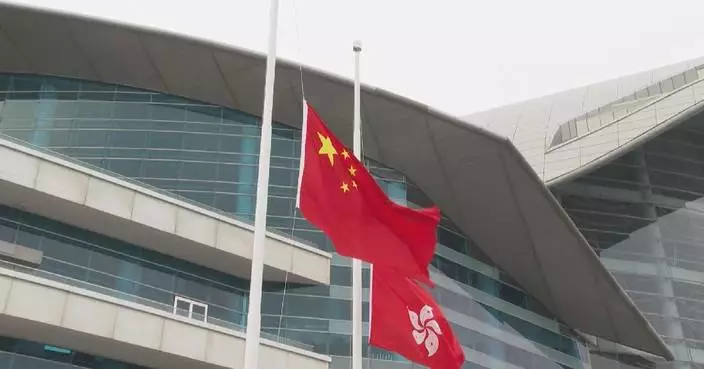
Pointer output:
x,y
110,198
62,182
18,168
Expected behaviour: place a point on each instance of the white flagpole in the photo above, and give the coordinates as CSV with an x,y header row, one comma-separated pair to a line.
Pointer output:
x,y
356,263
251,351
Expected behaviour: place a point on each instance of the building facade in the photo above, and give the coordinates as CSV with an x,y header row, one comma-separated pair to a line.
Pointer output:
x,y
128,161
207,155
624,158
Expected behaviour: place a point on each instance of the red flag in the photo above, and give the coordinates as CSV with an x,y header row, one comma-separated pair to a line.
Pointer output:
x,y
405,319
339,196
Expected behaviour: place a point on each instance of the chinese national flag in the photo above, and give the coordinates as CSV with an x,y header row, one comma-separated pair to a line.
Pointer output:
x,y
405,319
339,196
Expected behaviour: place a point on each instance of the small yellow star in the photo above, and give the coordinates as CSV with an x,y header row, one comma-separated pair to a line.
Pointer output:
x,y
345,154
327,148
344,187
354,184
353,171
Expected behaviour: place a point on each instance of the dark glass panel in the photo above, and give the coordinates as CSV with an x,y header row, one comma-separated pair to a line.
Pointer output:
x,y
164,140
167,112
200,141
27,83
8,231
94,109
18,110
127,168
127,139
131,111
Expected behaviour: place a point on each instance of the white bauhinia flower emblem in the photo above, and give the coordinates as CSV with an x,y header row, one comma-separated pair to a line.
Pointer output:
x,y
425,329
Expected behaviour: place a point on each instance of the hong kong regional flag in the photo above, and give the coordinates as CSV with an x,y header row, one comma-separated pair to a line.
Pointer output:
x,y
338,195
405,319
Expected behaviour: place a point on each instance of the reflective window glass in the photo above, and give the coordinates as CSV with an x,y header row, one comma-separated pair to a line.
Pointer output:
x,y
209,155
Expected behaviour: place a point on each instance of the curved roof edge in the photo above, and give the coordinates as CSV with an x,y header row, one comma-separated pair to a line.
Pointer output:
x,y
478,178
642,137
552,131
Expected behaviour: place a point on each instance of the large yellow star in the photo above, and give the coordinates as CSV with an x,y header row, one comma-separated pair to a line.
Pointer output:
x,y
345,187
327,148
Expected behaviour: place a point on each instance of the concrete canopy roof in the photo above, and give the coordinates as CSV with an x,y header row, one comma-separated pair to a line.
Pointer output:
x,y
658,99
479,179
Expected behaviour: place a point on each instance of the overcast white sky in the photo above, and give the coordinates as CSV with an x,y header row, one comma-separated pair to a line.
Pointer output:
x,y
458,56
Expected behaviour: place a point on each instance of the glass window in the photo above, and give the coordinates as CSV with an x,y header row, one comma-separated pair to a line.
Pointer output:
x,y
155,277
512,295
225,202
281,206
161,169
164,140
65,109
26,236
104,263
131,95
340,276
64,269
8,231
282,147
199,141
187,286
18,110
127,168
94,109
204,127
167,112
129,110
228,172
282,177
5,82
65,250
127,139
91,138
15,123
204,114
232,143
27,83
96,86
238,118
161,98
92,97
199,171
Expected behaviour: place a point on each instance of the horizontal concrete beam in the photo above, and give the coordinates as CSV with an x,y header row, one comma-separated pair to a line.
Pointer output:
x,y
50,186
39,309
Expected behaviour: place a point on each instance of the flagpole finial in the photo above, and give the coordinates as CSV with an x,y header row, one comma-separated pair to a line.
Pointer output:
x,y
357,46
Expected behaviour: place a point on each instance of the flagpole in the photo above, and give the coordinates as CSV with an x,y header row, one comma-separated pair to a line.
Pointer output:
x,y
251,351
356,263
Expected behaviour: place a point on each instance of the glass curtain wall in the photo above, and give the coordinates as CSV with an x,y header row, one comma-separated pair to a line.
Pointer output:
x,y
22,354
208,155
644,214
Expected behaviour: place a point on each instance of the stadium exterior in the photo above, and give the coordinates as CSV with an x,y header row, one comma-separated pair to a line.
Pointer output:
x,y
127,179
